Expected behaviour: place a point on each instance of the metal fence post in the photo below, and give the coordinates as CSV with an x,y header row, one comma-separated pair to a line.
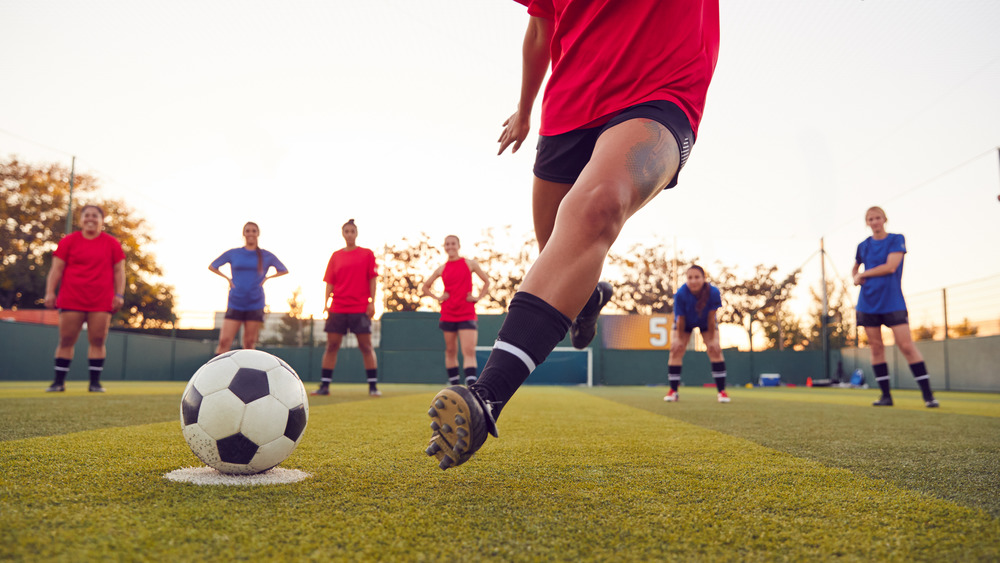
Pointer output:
x,y
947,370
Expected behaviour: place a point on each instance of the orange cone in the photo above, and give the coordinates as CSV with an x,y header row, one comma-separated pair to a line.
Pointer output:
x,y
809,382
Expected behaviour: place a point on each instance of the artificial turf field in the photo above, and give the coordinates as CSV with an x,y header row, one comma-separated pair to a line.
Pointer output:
x,y
609,473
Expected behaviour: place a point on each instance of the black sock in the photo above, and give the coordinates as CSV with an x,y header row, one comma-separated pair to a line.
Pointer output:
x,y
528,334
593,304
326,378
453,376
372,375
674,375
719,374
470,376
96,367
923,380
62,368
882,377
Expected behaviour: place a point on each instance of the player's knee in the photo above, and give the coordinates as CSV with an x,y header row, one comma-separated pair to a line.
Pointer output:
x,y
605,210
714,350
96,341
677,349
332,346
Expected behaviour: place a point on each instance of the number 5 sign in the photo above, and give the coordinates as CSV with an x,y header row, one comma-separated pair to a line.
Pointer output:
x,y
636,332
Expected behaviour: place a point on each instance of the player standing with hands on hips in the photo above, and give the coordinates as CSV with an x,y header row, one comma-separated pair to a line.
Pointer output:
x,y
350,279
881,303
458,309
248,265
619,117
695,305
88,270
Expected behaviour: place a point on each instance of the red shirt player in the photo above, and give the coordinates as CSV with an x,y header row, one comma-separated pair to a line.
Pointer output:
x,y
619,117
350,285
88,269
458,309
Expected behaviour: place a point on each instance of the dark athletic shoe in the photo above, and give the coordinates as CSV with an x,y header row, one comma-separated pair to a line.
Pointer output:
x,y
883,401
323,390
932,404
55,388
95,389
583,329
460,419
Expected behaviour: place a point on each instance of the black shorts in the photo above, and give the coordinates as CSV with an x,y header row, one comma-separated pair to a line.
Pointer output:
x,y
701,328
892,319
340,323
455,326
237,315
561,158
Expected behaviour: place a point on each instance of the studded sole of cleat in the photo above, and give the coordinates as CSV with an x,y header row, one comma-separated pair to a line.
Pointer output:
x,y
450,424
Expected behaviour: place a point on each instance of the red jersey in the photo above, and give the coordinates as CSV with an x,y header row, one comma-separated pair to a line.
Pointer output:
x,y
457,278
611,55
350,271
88,282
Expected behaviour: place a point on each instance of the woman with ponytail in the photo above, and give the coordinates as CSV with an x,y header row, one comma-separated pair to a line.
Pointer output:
x,y
695,305
248,265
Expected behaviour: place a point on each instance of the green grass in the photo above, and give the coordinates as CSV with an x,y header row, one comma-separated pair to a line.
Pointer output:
x,y
612,474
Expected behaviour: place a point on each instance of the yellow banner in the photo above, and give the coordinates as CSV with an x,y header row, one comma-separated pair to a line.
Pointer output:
x,y
636,332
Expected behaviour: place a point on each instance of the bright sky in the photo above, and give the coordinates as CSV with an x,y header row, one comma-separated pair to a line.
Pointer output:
x,y
299,115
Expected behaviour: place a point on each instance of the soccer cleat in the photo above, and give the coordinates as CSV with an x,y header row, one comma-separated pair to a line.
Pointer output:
x,y
323,390
883,401
374,393
56,388
460,420
671,396
95,389
584,328
932,404
723,397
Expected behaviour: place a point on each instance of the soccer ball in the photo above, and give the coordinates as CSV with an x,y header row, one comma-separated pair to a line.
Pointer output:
x,y
244,412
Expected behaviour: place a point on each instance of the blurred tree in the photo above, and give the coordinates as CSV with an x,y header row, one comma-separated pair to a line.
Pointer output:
x,y
33,202
923,332
787,332
965,328
753,299
505,269
292,330
645,278
840,325
405,267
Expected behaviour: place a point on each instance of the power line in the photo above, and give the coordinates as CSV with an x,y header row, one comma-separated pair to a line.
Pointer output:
x,y
34,142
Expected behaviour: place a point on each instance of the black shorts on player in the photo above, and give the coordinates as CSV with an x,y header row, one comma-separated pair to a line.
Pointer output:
x,y
561,158
341,323
455,326
237,315
894,318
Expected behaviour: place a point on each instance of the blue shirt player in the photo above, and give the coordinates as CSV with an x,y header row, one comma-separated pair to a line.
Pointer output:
x,y
248,265
695,305
881,303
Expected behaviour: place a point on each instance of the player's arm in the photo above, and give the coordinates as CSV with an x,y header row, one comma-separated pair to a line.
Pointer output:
x,y
52,281
534,65
276,274
215,270
713,323
371,300
328,297
856,274
425,288
119,298
679,324
478,270
891,265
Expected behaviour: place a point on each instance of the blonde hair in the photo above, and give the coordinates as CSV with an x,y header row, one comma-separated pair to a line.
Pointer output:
x,y
879,209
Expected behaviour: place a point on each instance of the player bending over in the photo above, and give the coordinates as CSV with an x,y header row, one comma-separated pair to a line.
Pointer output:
x,y
619,117
694,307
458,309
881,303
350,285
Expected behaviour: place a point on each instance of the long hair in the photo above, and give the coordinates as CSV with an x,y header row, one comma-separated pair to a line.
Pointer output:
x,y
92,206
260,254
703,293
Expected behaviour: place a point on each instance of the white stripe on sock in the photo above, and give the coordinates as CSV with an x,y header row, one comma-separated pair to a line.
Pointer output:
x,y
373,380
922,377
326,380
674,377
58,368
517,352
883,378
718,374
96,368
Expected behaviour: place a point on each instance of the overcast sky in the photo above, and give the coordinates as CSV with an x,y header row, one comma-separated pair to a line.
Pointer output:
x,y
300,115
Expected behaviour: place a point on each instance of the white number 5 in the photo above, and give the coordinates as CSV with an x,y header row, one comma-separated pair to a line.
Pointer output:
x,y
658,331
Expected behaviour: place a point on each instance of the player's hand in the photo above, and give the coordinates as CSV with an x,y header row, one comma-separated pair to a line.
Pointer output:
x,y
471,298
858,280
231,284
444,297
515,131
371,310
117,303
50,300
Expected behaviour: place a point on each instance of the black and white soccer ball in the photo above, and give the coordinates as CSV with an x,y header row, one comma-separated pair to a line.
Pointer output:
x,y
244,412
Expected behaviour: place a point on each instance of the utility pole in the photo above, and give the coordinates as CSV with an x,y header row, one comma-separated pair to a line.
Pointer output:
x,y
69,211
824,322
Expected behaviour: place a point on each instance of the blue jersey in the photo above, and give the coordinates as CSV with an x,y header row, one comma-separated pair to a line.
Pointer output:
x,y
686,304
881,294
247,293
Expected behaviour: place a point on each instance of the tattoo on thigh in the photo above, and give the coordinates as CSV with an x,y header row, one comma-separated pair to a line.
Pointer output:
x,y
649,161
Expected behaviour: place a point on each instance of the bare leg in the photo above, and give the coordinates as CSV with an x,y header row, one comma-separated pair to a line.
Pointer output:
x,y
678,345
98,323
333,341
545,199
450,349
874,334
468,338
904,340
70,325
229,329
875,344
367,351
251,330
